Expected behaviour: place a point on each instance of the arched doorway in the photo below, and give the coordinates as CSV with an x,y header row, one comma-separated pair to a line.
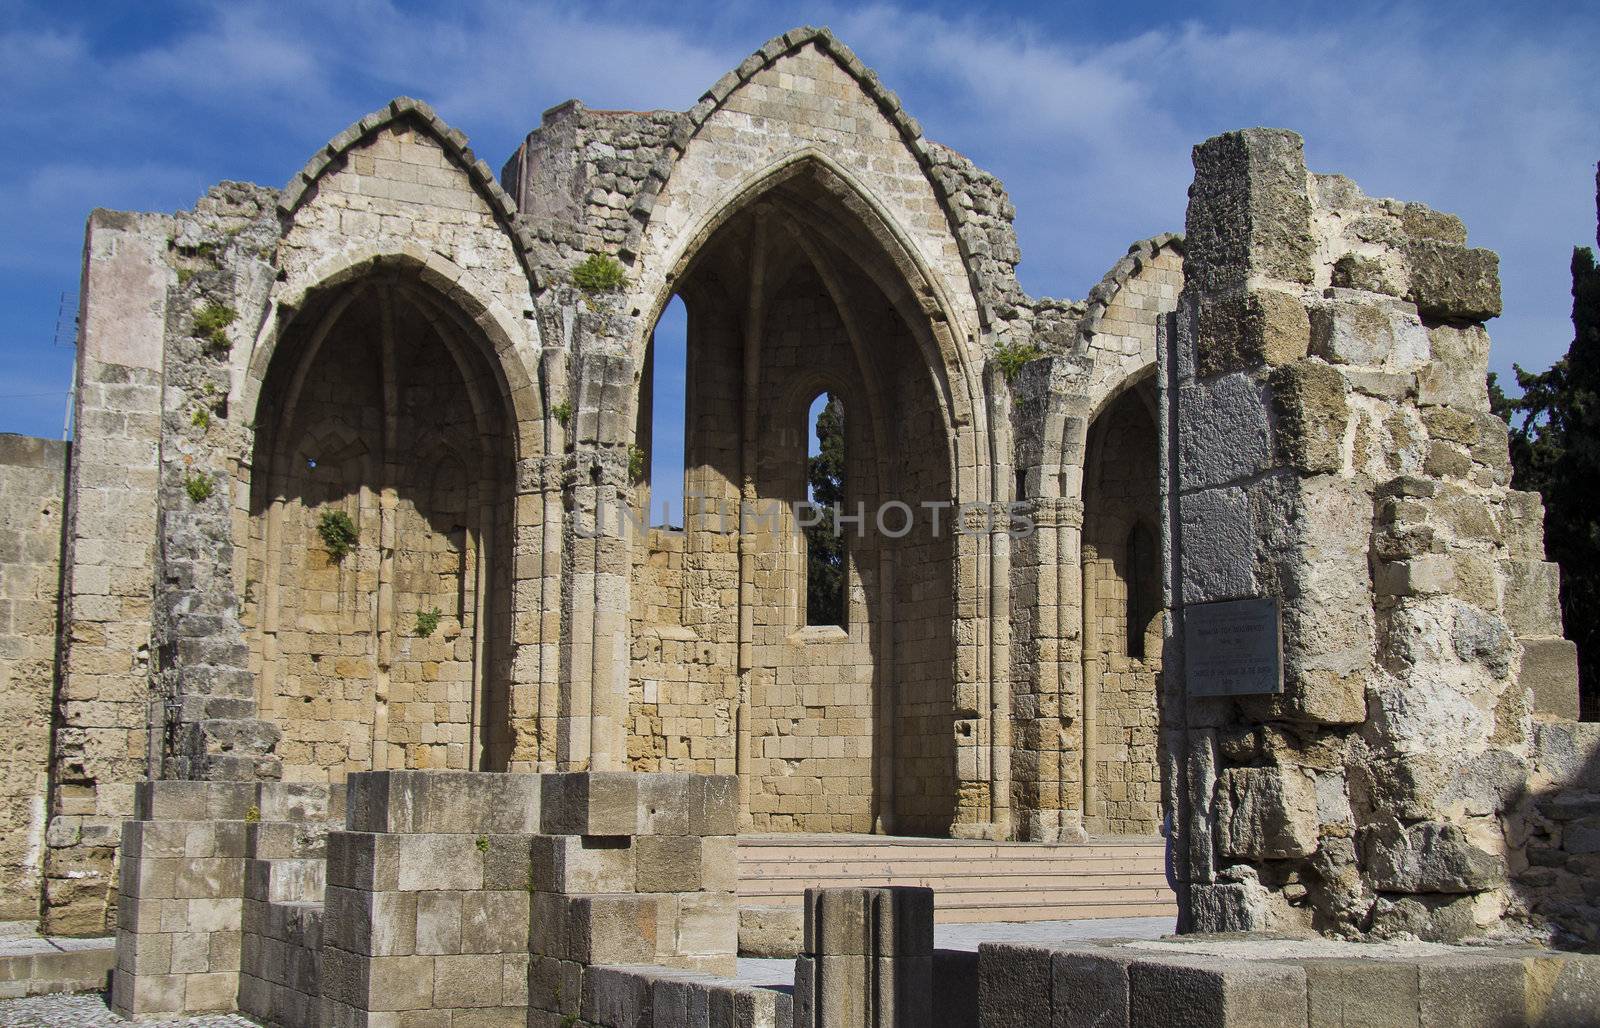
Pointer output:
x,y
1122,618
847,726
378,595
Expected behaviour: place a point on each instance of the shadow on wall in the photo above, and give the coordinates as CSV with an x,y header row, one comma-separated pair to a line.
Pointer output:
x,y
1553,818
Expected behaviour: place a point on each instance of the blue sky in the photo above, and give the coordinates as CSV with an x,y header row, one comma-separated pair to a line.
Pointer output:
x,y
1087,112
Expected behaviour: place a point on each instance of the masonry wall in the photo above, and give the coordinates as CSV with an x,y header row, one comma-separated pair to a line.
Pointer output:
x,y
102,743
32,498
1335,450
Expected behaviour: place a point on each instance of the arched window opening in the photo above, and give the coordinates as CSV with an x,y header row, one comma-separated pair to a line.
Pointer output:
x,y
663,414
1144,599
825,550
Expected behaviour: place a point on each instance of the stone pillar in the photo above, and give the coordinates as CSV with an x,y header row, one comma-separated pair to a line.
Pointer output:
x,y
427,899
180,908
629,869
868,959
102,741
1330,446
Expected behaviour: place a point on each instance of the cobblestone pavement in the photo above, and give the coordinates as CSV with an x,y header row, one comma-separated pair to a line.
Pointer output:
x,y
89,1010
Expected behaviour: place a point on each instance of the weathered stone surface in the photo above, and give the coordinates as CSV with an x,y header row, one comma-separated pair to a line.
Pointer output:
x,y
1428,857
1451,281
1266,813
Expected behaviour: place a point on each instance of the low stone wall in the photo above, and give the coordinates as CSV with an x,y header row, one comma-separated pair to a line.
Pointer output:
x,y
1242,982
490,898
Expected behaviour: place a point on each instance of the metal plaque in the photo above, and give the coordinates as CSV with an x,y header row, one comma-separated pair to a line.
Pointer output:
x,y
1233,648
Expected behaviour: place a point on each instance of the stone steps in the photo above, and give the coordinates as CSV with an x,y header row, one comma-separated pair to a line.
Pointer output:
x,y
972,880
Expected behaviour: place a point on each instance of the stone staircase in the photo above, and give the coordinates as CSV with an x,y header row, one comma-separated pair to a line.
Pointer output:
x,y
972,880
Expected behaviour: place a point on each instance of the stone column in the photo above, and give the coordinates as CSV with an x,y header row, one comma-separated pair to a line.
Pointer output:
x,y
180,907
102,741
1330,447
868,959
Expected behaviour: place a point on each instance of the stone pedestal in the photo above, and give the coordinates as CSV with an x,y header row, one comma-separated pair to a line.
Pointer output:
x,y
868,959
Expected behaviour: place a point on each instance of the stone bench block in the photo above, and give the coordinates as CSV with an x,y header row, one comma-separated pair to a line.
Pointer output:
x,y
1207,992
455,802
1355,992
194,801
1469,991
766,931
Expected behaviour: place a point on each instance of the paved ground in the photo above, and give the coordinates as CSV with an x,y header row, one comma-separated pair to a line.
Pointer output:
x,y
780,973
89,1010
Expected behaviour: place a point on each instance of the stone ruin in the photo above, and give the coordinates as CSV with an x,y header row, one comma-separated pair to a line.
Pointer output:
x,y
346,669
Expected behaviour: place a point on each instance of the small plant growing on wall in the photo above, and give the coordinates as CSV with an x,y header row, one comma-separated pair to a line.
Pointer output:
x,y
427,622
201,418
563,412
1011,357
199,487
211,324
338,533
636,464
598,274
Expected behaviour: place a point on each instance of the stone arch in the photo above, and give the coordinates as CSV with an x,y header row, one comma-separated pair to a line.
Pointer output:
x,y
398,652
456,298
797,282
1121,674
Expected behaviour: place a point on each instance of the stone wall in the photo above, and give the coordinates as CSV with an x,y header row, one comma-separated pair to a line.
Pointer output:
x,y
1334,449
32,497
103,743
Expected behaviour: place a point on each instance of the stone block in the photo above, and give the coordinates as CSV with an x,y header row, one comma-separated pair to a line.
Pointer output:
x,y
1368,332
1015,984
1224,429
494,922
579,864
1461,991
470,980
361,860
1455,376
439,923
1453,282
1562,990
1266,813
590,803
455,802
955,989
668,863
1361,993
614,996
1089,989
707,925
612,929
1550,669
1311,412
1219,548
1249,211
1216,993
771,931
428,862
371,924
1428,857
1249,331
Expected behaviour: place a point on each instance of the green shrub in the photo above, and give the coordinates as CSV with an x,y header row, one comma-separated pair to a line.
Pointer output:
x,y
427,622
636,457
338,533
598,274
563,412
1011,358
201,418
199,487
211,324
